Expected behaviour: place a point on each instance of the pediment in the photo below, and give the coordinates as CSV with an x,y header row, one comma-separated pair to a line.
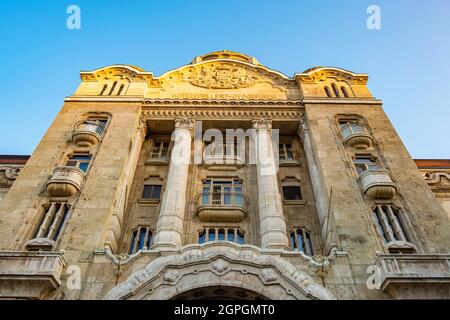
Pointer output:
x,y
225,78
223,74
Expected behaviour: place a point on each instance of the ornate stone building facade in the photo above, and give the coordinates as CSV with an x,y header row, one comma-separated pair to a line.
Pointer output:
x,y
134,193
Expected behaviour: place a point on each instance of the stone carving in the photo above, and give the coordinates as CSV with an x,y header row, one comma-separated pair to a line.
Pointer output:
x,y
222,114
222,77
220,265
438,181
269,275
193,263
8,175
171,275
262,124
185,123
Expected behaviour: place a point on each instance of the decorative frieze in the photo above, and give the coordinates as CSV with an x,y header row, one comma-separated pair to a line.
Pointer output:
x,y
222,114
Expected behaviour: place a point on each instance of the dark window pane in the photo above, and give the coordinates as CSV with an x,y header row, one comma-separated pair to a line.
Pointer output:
x,y
84,166
149,239
221,234
156,192
240,237
292,193
300,240
133,238
293,245
81,157
201,237
152,192
212,235
71,163
142,238
230,235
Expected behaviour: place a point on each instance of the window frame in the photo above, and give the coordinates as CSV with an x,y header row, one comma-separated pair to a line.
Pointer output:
x,y
307,244
364,165
163,145
78,161
134,245
237,233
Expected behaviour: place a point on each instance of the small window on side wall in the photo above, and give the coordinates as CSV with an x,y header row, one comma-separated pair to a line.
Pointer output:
x,y
292,193
141,238
79,160
365,162
301,241
151,192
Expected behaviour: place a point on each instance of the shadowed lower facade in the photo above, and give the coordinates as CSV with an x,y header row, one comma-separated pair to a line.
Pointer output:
x,y
135,192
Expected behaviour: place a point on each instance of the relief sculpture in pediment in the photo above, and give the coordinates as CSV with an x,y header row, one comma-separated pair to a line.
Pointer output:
x,y
222,77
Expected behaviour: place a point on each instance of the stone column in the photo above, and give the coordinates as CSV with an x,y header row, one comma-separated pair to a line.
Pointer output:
x,y
272,223
318,185
171,215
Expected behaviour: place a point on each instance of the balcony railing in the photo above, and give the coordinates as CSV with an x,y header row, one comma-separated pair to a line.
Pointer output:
x,y
377,184
356,135
88,132
221,206
65,181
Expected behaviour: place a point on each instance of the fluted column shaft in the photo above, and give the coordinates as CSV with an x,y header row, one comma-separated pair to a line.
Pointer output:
x,y
272,222
170,223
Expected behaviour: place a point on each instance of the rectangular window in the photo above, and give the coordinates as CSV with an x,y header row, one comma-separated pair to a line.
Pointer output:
x,y
222,191
151,192
160,150
292,193
301,241
285,151
80,161
364,163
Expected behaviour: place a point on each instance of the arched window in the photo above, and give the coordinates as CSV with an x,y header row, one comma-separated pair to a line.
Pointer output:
x,y
122,86
301,241
344,92
327,91
112,88
221,234
103,89
335,90
141,238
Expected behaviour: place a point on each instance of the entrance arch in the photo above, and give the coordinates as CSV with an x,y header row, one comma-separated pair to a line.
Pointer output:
x,y
219,265
219,292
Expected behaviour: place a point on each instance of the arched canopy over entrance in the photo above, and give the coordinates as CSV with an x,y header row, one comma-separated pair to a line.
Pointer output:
x,y
223,266
219,292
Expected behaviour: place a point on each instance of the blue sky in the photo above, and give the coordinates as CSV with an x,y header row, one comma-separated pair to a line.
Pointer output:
x,y
408,60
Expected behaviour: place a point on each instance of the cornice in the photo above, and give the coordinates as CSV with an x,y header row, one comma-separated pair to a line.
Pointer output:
x,y
342,101
220,102
122,99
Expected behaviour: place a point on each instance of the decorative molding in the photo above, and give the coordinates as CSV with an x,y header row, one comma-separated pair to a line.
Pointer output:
x,y
222,77
438,181
222,114
206,265
262,124
214,102
185,123
8,174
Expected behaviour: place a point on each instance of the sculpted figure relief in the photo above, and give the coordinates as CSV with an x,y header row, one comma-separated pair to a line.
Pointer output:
x,y
222,77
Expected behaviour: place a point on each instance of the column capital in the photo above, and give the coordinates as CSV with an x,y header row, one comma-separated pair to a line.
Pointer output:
x,y
303,128
185,123
142,127
262,124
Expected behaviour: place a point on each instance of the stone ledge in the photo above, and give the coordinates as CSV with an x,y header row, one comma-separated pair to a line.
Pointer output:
x,y
30,275
410,276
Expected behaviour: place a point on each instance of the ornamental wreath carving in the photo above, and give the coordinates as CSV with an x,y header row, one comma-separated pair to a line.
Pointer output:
x,y
222,77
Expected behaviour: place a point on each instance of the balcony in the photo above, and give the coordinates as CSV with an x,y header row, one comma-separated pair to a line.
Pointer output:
x,y
30,275
87,133
221,206
377,184
65,181
356,135
414,276
223,160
